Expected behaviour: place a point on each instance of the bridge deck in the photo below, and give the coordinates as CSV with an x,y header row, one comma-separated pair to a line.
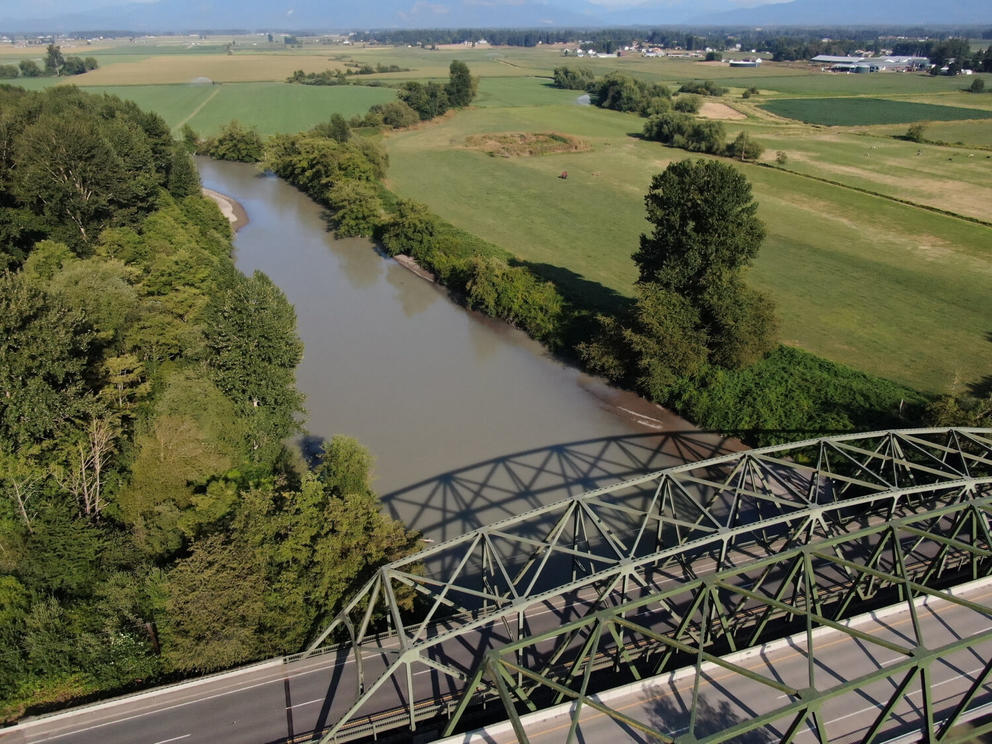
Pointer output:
x,y
728,699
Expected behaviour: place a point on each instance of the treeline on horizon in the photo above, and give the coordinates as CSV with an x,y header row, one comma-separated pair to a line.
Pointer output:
x,y
818,40
153,523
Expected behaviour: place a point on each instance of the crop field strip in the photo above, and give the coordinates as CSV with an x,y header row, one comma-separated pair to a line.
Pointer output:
x,y
867,111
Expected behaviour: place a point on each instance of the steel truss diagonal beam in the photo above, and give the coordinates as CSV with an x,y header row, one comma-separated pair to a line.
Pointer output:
x,y
900,665
505,582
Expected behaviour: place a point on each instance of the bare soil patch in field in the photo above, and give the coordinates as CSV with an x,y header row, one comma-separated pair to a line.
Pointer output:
x,y
713,110
524,144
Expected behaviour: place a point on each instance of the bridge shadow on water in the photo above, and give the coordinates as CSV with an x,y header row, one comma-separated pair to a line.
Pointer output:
x,y
455,502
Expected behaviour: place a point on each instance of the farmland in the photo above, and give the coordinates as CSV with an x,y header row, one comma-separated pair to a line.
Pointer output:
x,y
859,277
879,251
868,111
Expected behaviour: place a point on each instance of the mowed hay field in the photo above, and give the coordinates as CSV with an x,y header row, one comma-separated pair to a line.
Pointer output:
x,y
221,68
272,108
954,180
280,107
886,287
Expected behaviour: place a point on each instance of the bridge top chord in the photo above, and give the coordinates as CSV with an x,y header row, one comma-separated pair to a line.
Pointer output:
x,y
632,542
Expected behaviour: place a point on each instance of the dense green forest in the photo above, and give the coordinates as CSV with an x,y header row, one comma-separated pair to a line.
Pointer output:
x,y
152,522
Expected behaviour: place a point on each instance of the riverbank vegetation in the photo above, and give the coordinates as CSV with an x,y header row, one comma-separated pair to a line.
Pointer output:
x,y
697,338
152,522
345,173
716,363
862,232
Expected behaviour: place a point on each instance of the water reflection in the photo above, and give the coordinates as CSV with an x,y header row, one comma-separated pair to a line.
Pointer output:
x,y
413,303
355,264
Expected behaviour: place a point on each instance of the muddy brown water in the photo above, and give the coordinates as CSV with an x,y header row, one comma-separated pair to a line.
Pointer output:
x,y
469,420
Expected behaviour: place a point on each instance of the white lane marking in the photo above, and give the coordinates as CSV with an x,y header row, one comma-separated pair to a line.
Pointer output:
x,y
150,712
308,702
174,738
903,658
908,694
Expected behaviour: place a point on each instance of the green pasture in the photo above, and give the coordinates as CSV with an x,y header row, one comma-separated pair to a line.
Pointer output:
x,y
814,83
962,98
867,111
270,107
501,92
172,102
38,83
967,133
279,107
885,287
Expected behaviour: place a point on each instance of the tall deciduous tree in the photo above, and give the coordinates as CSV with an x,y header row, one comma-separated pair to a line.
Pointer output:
x,y
236,143
54,61
706,232
29,68
693,307
45,351
184,180
706,227
82,174
461,86
214,605
253,351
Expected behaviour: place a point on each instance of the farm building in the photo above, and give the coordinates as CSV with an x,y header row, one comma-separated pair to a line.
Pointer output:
x,y
745,63
829,59
900,64
871,64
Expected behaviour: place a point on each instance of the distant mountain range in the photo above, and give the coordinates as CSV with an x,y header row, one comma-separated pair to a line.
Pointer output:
x,y
259,15
857,12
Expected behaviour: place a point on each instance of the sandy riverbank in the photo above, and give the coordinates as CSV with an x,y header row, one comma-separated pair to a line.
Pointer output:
x,y
231,209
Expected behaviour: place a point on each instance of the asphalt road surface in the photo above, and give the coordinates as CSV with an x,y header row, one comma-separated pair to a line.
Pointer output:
x,y
727,698
280,701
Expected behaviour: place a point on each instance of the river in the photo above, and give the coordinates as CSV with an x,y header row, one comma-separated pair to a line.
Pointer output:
x,y
469,420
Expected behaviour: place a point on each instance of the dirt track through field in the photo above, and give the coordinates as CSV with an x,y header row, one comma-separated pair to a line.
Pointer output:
x,y
199,108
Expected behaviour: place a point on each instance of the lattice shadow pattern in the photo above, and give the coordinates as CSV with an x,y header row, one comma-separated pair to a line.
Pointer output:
x,y
689,563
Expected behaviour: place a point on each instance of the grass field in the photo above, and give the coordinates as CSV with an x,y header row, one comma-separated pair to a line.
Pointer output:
x,y
885,287
867,111
270,107
287,108
968,133
873,158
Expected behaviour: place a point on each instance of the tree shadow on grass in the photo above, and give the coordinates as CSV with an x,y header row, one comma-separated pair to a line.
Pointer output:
x,y
580,291
982,388
670,716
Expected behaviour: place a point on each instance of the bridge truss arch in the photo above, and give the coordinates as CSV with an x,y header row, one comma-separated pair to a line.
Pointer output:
x,y
690,562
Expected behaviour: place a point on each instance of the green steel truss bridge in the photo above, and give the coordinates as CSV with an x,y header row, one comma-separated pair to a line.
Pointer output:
x,y
684,569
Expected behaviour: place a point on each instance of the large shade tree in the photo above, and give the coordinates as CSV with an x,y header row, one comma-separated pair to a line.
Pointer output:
x,y
693,307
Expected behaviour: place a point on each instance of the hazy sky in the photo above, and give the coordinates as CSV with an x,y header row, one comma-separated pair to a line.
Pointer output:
x,y
48,8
